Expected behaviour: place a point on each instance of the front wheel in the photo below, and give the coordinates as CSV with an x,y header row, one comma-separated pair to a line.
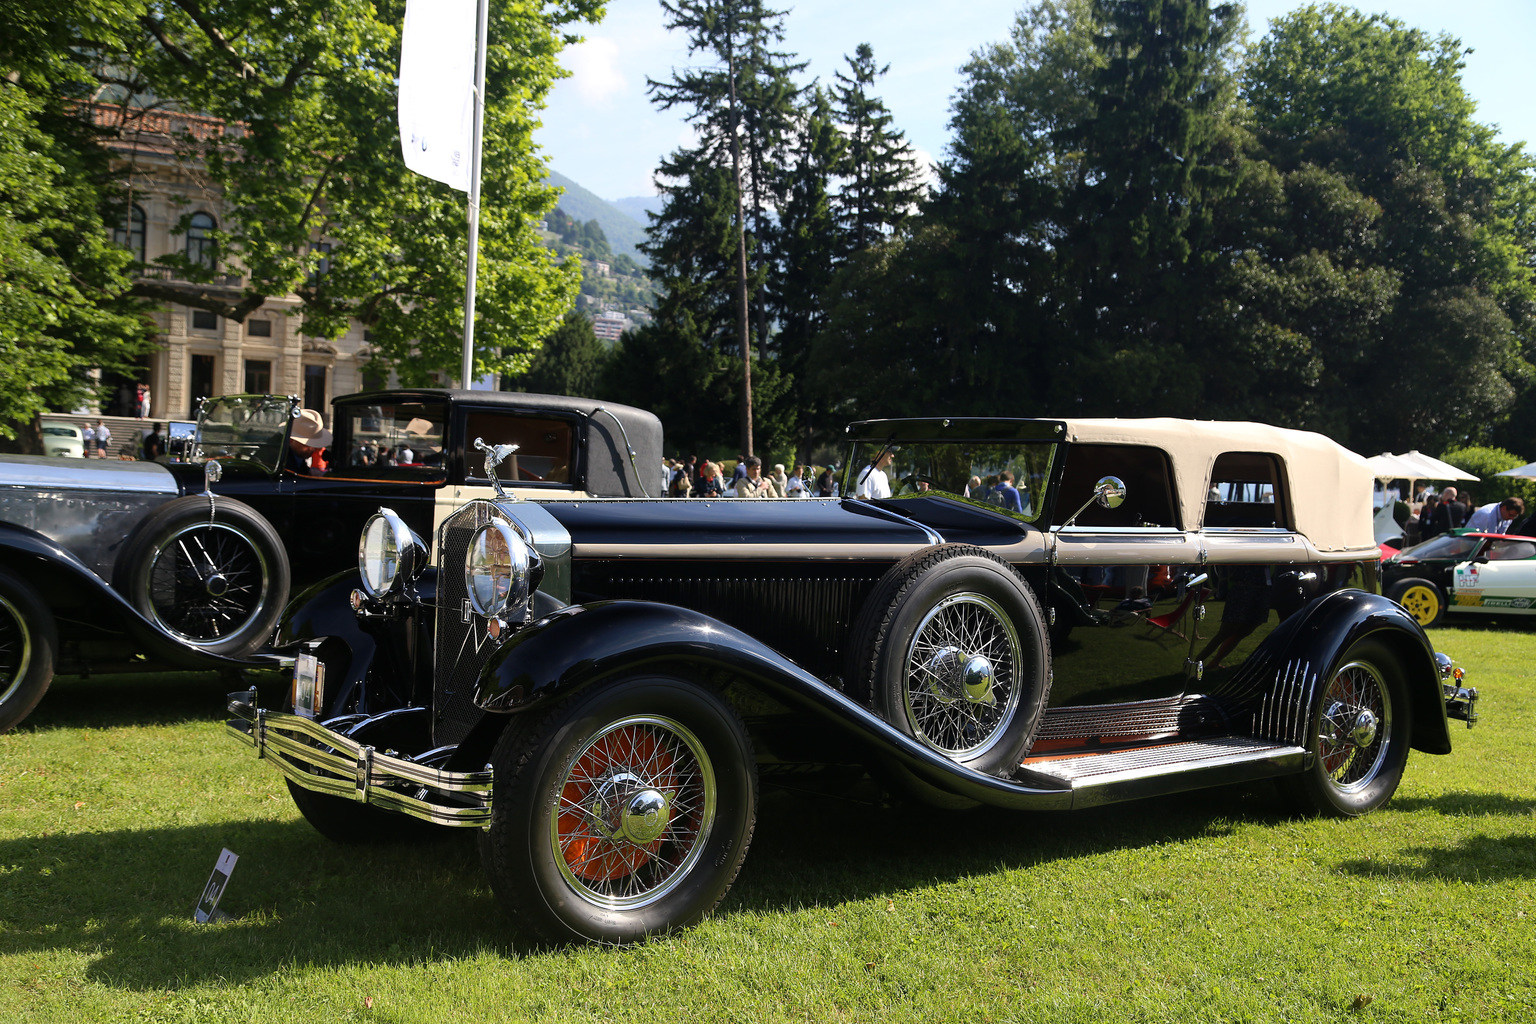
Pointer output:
x,y
1359,736
623,813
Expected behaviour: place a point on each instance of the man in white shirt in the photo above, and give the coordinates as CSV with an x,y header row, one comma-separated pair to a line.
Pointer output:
x,y
1495,516
873,482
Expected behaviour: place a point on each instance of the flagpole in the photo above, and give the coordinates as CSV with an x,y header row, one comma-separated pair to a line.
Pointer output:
x,y
481,18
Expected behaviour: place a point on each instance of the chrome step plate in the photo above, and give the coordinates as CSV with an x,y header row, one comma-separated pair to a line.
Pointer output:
x,y
1168,767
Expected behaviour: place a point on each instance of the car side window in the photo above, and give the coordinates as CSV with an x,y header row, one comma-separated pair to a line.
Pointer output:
x,y
546,447
1146,472
1247,490
1511,550
402,441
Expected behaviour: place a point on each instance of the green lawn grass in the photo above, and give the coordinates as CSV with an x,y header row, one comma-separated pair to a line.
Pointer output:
x,y
117,795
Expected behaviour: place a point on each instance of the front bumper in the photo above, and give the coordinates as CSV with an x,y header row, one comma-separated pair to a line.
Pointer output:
x,y
323,760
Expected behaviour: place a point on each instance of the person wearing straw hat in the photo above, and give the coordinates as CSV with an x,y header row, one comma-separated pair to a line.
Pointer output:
x,y
306,438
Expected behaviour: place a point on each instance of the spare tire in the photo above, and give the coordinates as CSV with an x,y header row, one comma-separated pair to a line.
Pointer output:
x,y
216,581
951,648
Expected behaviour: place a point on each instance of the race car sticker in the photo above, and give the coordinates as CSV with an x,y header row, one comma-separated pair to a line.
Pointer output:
x,y
1507,602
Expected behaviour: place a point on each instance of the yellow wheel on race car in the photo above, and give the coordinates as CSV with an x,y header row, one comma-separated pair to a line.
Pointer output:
x,y
1421,598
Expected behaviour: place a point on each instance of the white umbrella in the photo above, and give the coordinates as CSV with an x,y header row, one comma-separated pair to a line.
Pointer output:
x,y
1528,470
1434,469
1390,467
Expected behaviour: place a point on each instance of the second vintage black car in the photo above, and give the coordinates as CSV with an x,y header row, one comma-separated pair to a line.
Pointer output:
x,y
599,686
109,566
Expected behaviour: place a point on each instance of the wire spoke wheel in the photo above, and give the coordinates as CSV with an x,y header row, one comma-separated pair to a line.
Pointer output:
x,y
634,812
1354,732
15,649
961,668
206,583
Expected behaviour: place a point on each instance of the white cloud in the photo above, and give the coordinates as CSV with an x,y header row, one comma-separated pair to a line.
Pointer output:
x,y
594,67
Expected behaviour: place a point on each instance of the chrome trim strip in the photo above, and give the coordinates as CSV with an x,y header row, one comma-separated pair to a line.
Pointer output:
x,y
866,505
357,771
799,551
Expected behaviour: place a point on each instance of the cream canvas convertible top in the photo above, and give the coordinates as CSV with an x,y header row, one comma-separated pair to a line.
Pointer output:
x,y
1329,485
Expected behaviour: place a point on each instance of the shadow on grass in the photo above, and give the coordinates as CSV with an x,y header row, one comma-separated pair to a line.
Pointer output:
x,y
1466,805
121,700
1477,859
126,899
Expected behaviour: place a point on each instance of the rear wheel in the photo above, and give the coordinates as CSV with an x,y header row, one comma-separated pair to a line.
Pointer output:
x,y
623,813
28,640
1421,598
1359,736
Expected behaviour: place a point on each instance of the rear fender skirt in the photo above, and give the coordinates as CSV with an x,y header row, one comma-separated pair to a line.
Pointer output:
x,y
581,645
61,576
1278,682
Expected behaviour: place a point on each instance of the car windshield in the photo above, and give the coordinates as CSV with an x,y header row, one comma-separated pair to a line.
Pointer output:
x,y
248,427
1444,546
55,431
1007,477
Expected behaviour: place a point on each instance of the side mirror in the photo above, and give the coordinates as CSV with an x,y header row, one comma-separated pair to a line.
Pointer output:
x,y
1109,492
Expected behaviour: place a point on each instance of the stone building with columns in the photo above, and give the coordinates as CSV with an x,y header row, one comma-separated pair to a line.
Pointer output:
x,y
203,354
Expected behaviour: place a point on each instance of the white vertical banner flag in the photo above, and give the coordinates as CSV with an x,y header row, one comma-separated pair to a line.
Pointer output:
x,y
437,89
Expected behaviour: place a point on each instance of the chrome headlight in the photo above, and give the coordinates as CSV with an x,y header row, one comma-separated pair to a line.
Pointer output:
x,y
496,571
389,555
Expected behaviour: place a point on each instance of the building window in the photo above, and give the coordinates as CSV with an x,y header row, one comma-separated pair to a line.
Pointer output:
x,y
203,320
314,388
258,376
200,246
133,238
202,380
258,328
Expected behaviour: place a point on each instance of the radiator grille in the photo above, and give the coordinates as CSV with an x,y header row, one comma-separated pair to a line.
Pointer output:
x,y
457,659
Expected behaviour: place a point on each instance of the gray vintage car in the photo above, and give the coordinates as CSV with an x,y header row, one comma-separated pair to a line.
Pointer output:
x,y
113,566
600,687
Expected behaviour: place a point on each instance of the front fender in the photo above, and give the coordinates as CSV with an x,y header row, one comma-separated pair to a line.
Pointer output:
x,y
1279,682
83,600
582,645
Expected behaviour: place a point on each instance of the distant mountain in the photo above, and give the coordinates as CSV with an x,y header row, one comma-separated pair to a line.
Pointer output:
x,y
638,206
623,231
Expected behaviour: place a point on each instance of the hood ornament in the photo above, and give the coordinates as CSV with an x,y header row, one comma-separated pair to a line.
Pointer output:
x,y
495,455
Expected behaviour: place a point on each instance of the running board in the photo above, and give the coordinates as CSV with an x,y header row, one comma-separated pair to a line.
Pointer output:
x,y
1138,772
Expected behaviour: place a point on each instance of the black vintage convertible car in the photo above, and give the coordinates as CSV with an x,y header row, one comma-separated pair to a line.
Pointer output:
x,y
129,566
598,686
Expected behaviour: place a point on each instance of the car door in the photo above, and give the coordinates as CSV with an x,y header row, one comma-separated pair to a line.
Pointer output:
x,y
1125,585
1500,580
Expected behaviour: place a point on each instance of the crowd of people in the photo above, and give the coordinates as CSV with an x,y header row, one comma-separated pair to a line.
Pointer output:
x,y
693,477
1452,509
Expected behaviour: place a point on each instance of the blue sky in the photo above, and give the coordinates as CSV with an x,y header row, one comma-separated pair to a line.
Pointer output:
x,y
601,130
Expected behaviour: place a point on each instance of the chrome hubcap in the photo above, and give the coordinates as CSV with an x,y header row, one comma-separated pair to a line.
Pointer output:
x,y
1353,737
962,675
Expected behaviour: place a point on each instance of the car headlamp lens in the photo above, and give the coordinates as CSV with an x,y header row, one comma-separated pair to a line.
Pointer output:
x,y
389,555
496,571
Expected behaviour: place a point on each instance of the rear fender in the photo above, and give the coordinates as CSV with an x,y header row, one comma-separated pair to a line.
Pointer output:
x,y
582,645
1278,684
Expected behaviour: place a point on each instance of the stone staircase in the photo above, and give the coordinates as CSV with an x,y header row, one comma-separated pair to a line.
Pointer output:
x,y
127,431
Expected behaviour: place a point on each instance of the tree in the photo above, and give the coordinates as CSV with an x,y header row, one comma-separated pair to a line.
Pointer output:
x,y
570,362
304,150
65,306
880,178
1443,336
739,106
